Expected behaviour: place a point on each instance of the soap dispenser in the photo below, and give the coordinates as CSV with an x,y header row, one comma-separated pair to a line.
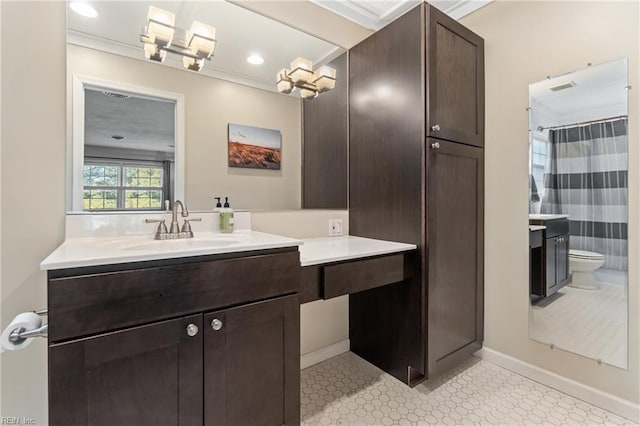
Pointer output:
x,y
226,217
218,204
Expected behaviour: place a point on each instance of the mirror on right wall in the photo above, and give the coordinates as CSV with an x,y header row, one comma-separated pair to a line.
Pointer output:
x,y
578,208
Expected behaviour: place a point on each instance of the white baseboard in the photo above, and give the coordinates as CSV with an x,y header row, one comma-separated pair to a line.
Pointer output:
x,y
324,354
601,399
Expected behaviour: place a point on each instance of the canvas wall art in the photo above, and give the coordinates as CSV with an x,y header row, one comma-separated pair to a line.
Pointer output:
x,y
254,147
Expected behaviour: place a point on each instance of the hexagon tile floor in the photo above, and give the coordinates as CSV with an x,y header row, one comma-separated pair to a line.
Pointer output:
x,y
346,390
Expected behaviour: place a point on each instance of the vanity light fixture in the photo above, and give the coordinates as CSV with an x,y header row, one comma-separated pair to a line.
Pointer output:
x,y
161,36
302,76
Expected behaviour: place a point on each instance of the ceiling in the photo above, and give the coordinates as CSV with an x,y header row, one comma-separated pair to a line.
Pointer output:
x,y
597,88
375,14
145,123
239,33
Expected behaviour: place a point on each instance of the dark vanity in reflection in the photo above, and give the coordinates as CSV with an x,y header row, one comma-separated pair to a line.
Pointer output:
x,y
548,254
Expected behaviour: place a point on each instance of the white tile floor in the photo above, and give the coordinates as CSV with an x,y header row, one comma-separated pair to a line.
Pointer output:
x,y
592,323
346,390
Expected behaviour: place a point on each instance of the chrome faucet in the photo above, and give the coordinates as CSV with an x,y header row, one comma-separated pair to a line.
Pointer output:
x,y
184,212
175,231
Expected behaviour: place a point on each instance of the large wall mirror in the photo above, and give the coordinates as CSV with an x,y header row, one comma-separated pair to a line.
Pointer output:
x,y
578,209
124,110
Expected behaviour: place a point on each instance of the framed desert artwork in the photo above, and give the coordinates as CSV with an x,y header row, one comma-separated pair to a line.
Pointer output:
x,y
254,147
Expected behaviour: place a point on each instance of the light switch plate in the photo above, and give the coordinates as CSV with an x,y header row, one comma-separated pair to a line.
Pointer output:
x,y
335,227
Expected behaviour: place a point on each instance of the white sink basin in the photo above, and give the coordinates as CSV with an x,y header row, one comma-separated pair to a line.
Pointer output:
x,y
180,244
548,216
148,244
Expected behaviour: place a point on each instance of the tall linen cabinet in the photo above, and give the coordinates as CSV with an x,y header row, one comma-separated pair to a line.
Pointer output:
x,y
416,138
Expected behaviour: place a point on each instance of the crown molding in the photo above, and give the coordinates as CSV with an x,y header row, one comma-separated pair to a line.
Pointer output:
x,y
465,7
135,52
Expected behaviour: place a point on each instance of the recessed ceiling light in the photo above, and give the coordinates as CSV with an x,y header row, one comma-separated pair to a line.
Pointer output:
x,y
83,9
255,60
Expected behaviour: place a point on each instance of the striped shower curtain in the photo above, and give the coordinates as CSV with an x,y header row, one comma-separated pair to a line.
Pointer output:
x,y
586,178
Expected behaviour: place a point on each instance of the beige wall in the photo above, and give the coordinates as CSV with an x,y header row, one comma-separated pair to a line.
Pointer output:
x,y
323,322
524,42
210,105
32,167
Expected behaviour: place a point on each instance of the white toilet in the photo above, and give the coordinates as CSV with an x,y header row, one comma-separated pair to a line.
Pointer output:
x,y
581,265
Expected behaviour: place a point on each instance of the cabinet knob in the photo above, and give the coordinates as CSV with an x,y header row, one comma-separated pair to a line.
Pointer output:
x,y
435,145
192,330
435,128
216,324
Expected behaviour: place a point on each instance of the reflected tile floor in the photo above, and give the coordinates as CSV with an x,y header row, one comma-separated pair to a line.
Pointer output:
x,y
346,390
592,323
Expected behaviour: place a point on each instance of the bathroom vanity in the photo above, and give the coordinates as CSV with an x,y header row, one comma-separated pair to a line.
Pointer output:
x,y
549,254
208,339
195,332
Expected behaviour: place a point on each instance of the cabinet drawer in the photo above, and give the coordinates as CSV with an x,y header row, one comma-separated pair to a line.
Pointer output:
x,y
555,227
535,239
355,276
94,303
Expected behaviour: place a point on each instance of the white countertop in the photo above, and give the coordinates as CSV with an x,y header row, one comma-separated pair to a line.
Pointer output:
x,y
317,251
547,216
77,252
536,228
109,250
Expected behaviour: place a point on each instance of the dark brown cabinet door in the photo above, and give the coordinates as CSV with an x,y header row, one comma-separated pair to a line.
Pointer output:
x,y
252,364
562,260
551,257
148,375
386,169
455,73
455,252
556,264
324,148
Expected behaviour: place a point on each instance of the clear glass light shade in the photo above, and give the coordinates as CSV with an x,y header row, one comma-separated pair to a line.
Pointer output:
x,y
284,86
202,39
283,83
192,63
301,70
161,26
324,78
308,94
326,71
152,52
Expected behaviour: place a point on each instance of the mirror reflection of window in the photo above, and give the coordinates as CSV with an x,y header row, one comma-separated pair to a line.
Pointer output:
x,y
538,161
124,185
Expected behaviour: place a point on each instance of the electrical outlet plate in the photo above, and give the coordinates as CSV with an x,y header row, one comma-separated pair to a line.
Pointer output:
x,y
335,227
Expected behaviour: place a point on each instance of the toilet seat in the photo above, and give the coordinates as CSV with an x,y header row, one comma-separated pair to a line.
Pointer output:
x,y
587,255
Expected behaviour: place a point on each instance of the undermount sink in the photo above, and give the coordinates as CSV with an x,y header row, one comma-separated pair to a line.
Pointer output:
x,y
180,244
148,244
